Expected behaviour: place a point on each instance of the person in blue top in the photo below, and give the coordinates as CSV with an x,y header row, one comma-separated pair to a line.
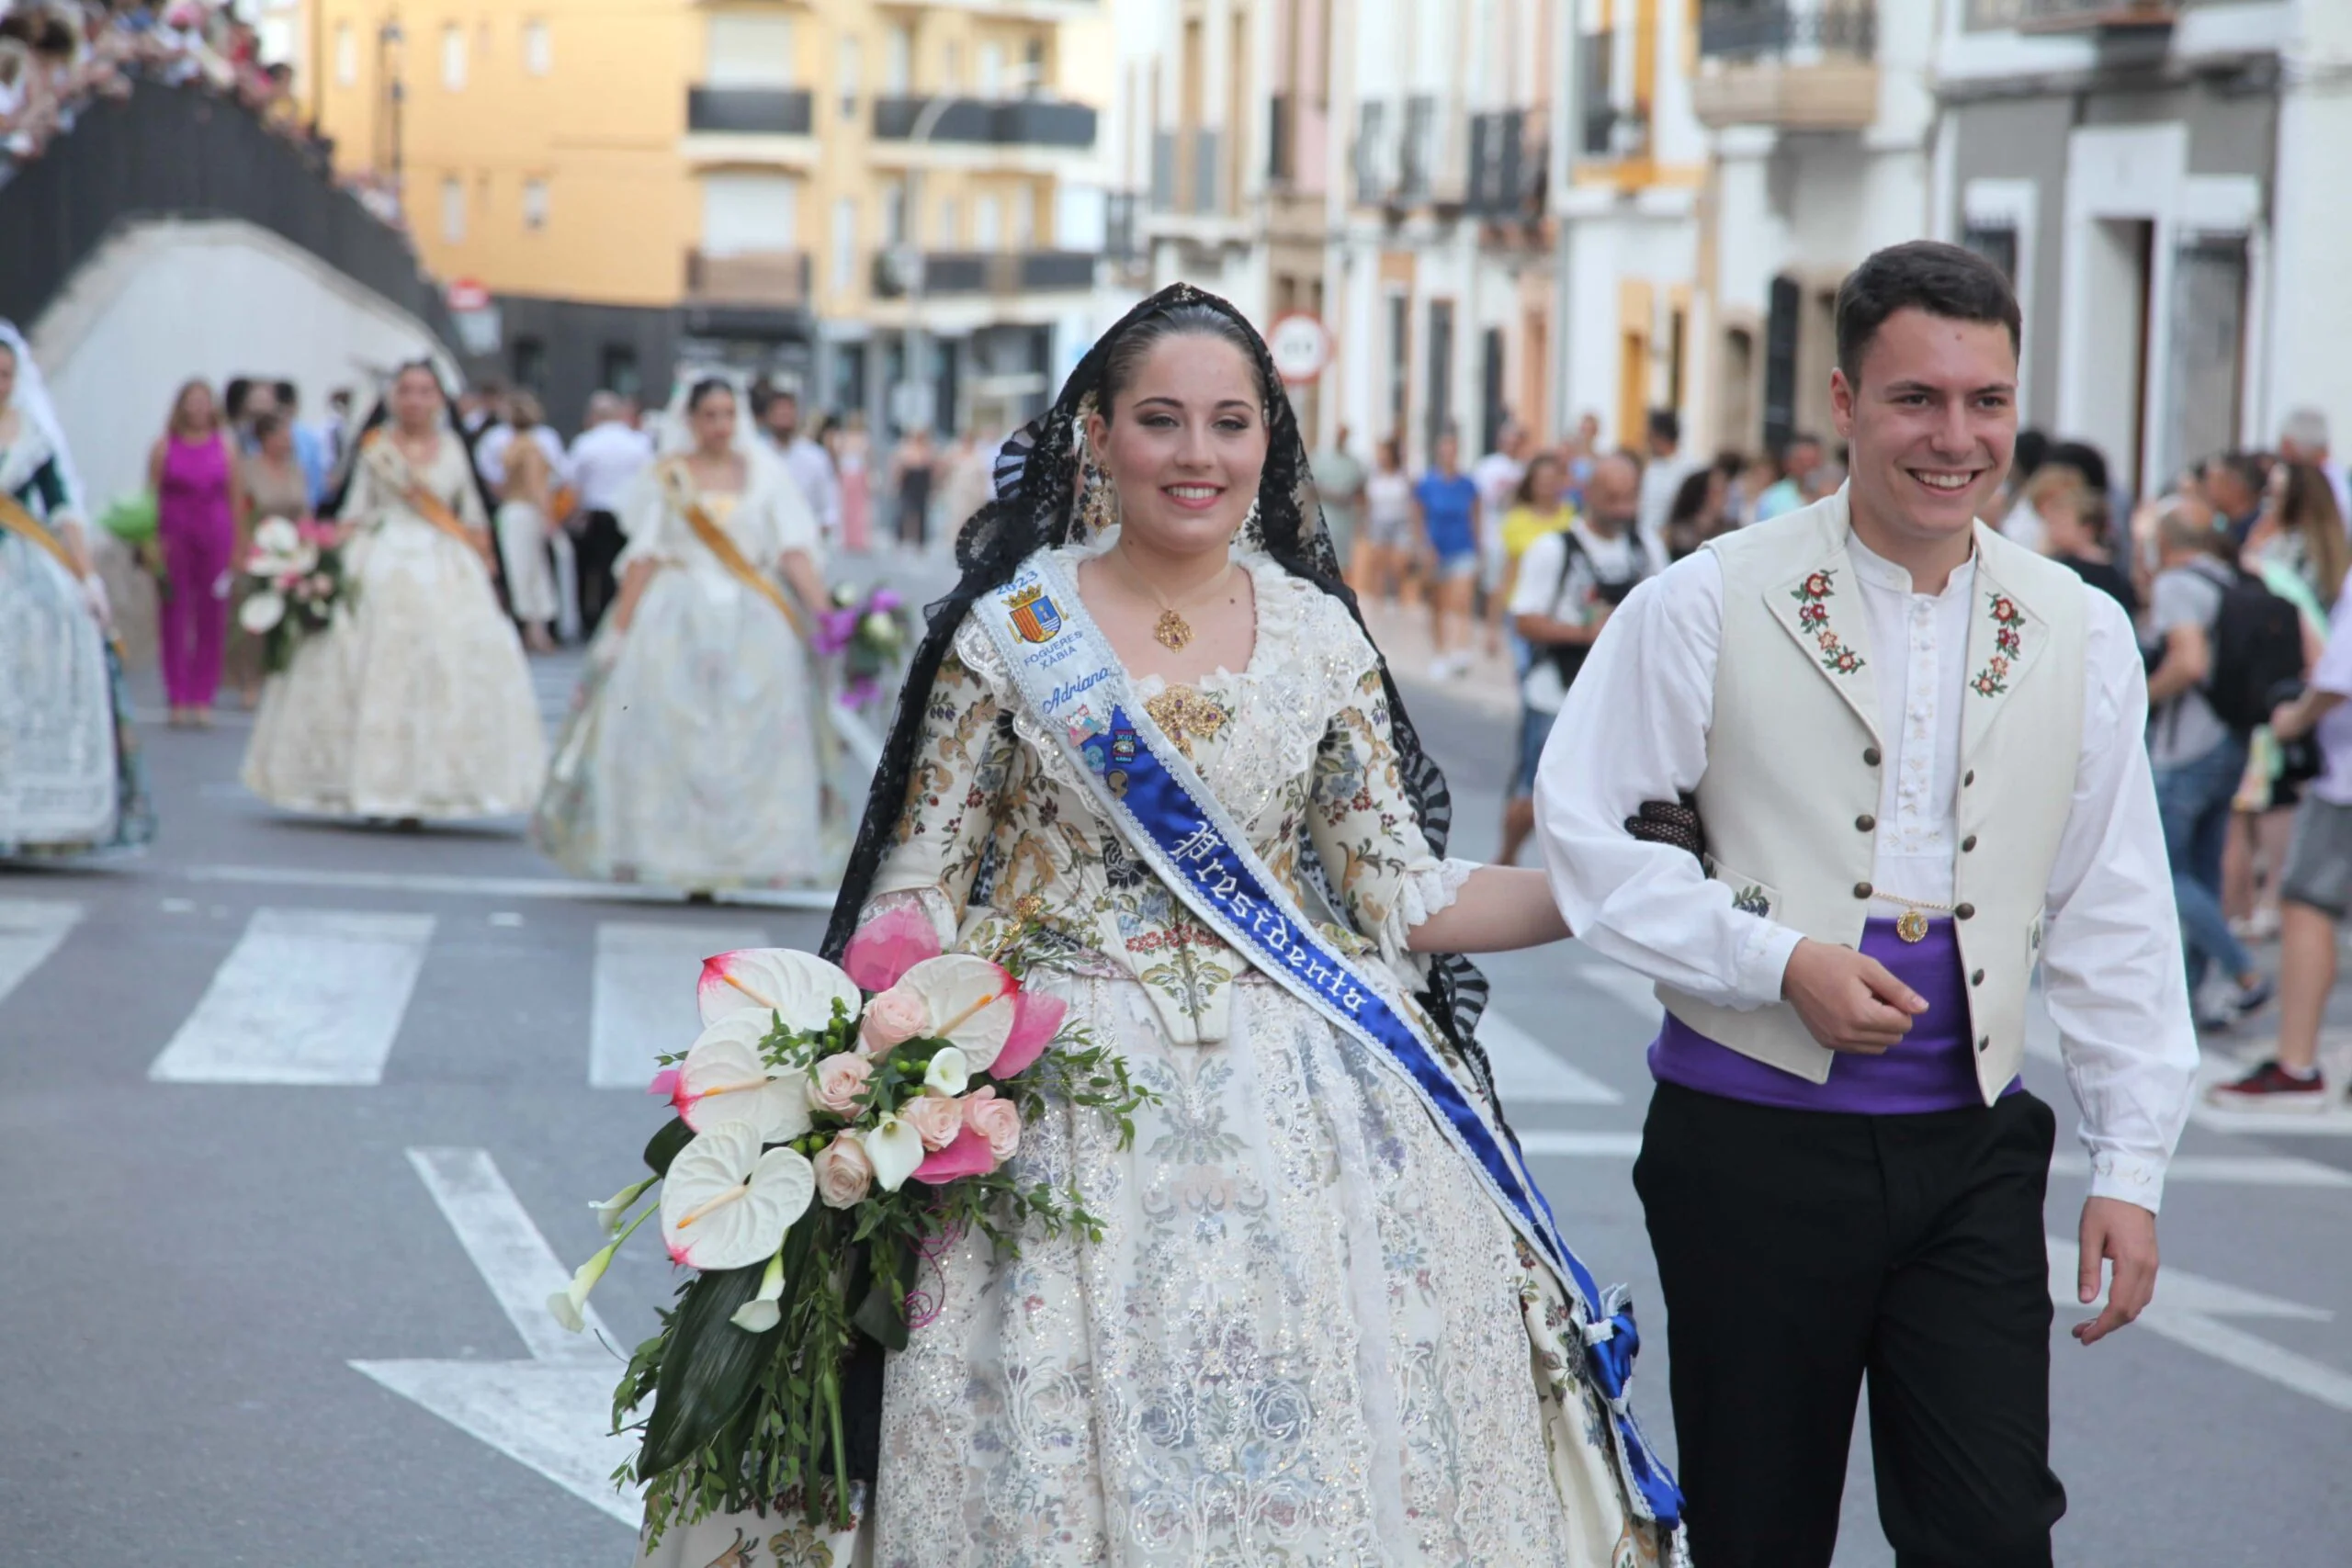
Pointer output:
x,y
1447,500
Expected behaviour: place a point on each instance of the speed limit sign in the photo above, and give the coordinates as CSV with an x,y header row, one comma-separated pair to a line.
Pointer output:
x,y
1300,347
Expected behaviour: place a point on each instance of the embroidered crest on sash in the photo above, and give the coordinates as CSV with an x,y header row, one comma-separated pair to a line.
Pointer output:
x,y
1035,615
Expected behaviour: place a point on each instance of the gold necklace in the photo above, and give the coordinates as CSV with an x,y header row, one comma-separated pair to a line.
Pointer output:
x,y
1912,925
1172,631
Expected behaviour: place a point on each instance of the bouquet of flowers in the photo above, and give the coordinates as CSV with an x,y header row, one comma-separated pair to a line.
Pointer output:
x,y
838,1128
871,635
298,572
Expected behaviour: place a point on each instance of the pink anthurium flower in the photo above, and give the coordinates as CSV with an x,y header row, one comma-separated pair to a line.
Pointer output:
x,y
888,945
1036,1019
969,1155
664,1084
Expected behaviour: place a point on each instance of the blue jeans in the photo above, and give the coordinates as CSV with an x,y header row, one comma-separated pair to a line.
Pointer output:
x,y
2193,799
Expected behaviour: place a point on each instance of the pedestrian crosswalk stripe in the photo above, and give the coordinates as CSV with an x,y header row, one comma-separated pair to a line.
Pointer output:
x,y
2229,1170
813,899
305,997
513,1258
30,930
644,994
1529,1073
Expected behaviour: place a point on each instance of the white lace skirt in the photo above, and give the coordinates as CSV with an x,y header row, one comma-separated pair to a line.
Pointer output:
x,y
696,755
1301,1339
57,713
415,703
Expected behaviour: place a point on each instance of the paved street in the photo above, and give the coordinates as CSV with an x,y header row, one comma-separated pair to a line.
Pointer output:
x,y
309,1117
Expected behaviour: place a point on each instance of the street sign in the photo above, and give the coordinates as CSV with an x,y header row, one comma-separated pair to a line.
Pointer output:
x,y
468,294
1300,347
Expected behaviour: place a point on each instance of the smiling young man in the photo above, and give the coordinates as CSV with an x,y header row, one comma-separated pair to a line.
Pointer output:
x,y
1917,750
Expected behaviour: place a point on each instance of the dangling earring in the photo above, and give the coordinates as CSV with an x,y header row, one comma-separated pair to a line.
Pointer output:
x,y
1099,510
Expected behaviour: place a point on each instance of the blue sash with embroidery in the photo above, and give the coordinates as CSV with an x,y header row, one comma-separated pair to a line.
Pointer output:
x,y
1075,684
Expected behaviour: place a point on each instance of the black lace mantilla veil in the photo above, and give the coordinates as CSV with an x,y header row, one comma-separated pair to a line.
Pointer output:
x,y
1036,483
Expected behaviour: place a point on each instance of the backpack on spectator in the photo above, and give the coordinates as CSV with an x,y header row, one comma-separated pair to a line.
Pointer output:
x,y
1568,658
2258,647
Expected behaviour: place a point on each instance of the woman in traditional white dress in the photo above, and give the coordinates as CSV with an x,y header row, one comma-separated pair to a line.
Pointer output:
x,y
70,774
1326,1319
415,704
698,754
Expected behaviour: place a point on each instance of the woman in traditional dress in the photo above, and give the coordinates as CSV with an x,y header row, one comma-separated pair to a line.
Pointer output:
x,y
414,703
527,504
70,776
698,754
1326,1320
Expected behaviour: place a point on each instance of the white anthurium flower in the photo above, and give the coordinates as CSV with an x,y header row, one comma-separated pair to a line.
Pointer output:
x,y
276,537
260,614
894,1148
949,1074
971,1004
726,1077
799,987
761,1312
727,1205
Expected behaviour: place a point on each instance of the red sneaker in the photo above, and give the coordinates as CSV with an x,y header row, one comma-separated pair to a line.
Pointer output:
x,y
2271,1088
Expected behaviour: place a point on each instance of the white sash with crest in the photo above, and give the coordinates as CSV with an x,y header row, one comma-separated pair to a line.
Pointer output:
x,y
1073,682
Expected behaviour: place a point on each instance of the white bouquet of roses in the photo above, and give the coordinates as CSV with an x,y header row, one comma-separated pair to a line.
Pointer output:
x,y
833,1122
298,568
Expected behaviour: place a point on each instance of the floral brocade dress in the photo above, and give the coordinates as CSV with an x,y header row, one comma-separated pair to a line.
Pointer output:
x,y
1301,1338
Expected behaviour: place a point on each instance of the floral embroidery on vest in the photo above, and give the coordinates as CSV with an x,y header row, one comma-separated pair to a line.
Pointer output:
x,y
1813,613
1994,679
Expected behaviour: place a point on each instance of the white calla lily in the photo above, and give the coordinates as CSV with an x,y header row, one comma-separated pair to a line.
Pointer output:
x,y
610,1212
569,1306
726,1077
761,1312
799,987
260,614
971,1003
950,1072
727,1205
894,1148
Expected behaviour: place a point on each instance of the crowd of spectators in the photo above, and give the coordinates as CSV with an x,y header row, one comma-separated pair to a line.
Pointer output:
x,y
56,56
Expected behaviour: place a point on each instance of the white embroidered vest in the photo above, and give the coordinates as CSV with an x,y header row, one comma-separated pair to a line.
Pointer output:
x,y
1791,795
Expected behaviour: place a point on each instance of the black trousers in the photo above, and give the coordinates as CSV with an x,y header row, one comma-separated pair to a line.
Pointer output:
x,y
594,549
1801,1249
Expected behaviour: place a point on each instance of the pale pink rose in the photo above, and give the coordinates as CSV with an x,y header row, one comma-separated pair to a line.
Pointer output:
x,y
998,1121
840,1079
892,1019
936,1117
844,1172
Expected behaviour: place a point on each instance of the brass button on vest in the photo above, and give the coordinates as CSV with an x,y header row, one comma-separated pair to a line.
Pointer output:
x,y
1965,912
1984,1044
1861,889
1977,978
1865,823
1971,777
1870,756
1968,843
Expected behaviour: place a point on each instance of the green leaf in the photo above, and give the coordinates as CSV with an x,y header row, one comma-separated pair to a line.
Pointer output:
x,y
881,1316
665,1144
709,1370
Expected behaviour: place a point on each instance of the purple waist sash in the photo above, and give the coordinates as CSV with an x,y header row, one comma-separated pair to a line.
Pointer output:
x,y
1933,1069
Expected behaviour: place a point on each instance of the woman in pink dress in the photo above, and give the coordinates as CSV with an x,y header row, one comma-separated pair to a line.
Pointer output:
x,y
193,472
852,457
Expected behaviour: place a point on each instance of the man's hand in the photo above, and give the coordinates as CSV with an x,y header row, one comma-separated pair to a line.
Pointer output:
x,y
2125,1234
1848,1000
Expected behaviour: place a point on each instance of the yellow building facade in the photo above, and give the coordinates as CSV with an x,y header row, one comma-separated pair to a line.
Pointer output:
x,y
760,174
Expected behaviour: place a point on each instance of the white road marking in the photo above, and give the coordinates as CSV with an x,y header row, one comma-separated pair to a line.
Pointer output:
x,y
2189,1309
514,1260
1603,1145
2221,1064
30,930
1614,979
1527,1072
305,997
644,994
817,898
552,1413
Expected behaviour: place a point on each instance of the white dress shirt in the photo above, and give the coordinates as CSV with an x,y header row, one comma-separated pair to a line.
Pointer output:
x,y
811,468
605,460
1634,729
489,453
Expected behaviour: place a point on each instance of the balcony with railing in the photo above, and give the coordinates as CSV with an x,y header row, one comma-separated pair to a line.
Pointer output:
x,y
1508,156
1044,123
766,280
1794,64
1417,150
942,275
748,111
1369,160
2104,16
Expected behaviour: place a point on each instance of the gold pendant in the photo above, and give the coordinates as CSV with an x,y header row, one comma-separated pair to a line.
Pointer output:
x,y
1172,632
1912,926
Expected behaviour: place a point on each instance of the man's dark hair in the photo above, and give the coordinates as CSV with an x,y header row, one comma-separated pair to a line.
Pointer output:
x,y
289,398
2084,459
1666,425
2032,450
1928,275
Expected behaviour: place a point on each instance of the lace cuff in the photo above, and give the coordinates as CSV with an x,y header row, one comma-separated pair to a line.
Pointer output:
x,y
1430,884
